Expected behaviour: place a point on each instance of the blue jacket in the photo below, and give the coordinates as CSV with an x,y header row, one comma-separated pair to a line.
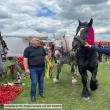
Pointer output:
x,y
105,50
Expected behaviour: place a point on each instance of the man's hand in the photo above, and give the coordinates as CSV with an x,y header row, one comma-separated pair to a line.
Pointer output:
x,y
27,72
87,45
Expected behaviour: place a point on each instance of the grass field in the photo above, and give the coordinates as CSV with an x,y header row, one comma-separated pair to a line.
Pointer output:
x,y
69,94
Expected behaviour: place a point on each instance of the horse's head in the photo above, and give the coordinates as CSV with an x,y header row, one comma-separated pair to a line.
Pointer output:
x,y
82,32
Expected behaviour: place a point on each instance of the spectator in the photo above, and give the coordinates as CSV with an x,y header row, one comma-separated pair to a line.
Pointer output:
x,y
34,63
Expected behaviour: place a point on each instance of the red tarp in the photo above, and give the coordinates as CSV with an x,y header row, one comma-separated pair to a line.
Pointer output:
x,y
101,43
20,62
8,93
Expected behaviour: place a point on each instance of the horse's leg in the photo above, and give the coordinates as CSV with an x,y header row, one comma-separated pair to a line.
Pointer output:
x,y
59,66
74,73
85,91
94,82
54,58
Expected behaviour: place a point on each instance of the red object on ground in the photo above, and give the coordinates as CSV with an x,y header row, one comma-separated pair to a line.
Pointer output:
x,y
19,59
101,43
8,93
90,39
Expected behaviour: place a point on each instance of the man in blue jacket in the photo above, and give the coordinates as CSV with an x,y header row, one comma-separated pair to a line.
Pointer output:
x,y
105,50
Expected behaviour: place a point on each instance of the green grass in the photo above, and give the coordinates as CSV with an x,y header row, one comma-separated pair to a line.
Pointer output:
x,y
69,94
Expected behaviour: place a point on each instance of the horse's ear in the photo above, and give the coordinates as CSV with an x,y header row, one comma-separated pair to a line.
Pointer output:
x,y
90,22
79,22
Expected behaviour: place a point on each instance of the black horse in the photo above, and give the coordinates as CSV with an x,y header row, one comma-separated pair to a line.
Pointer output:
x,y
86,58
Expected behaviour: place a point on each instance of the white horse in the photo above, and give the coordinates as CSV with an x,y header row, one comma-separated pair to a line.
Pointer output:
x,y
65,55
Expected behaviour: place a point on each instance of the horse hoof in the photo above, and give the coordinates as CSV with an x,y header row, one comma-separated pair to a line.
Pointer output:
x,y
74,81
86,98
55,80
93,85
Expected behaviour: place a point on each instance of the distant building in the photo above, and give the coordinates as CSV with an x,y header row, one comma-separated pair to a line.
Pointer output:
x,y
17,44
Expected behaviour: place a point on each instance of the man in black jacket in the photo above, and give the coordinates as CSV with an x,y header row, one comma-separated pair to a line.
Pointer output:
x,y
34,63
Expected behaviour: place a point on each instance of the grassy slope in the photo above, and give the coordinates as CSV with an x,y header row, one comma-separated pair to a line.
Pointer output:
x,y
70,95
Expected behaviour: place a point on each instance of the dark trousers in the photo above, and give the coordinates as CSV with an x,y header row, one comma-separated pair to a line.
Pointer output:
x,y
37,76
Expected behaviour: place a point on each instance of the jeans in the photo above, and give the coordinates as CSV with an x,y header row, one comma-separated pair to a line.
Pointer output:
x,y
37,76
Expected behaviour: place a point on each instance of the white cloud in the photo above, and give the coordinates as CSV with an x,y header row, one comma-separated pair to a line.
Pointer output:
x,y
101,30
19,17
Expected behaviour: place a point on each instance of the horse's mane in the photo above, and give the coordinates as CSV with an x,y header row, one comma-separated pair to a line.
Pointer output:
x,y
67,43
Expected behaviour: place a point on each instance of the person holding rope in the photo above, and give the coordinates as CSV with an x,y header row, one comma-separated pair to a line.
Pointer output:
x,y
105,50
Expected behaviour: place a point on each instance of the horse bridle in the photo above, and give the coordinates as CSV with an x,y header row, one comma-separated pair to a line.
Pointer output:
x,y
80,40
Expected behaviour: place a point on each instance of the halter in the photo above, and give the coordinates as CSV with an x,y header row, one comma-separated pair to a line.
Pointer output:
x,y
80,40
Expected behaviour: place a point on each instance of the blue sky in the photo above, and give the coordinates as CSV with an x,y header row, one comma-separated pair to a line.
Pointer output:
x,y
45,12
